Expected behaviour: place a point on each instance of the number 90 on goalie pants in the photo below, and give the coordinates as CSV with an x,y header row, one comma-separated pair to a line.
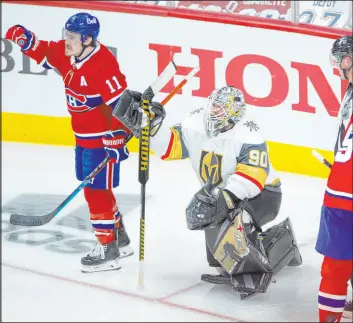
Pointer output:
x,y
104,212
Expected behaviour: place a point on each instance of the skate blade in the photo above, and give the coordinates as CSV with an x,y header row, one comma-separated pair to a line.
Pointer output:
x,y
348,316
125,251
111,265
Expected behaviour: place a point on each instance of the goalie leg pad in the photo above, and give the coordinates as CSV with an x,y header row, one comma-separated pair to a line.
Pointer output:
x,y
252,282
210,238
280,246
265,207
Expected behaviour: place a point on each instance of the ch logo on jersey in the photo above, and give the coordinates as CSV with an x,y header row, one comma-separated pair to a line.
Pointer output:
x,y
76,102
211,165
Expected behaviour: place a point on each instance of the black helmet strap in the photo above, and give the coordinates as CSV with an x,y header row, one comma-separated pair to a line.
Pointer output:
x,y
92,43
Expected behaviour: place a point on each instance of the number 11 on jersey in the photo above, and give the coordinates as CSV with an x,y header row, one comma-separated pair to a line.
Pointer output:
x,y
111,87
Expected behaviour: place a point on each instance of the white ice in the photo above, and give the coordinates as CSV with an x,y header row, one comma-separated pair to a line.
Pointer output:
x,y
42,285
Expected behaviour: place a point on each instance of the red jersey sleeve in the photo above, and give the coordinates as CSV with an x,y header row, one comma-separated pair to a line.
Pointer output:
x,y
110,82
48,54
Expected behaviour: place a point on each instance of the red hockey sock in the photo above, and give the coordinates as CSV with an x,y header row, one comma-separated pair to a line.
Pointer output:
x,y
335,275
103,213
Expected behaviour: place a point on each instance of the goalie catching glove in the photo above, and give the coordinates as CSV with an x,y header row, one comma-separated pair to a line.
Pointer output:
x,y
129,111
208,208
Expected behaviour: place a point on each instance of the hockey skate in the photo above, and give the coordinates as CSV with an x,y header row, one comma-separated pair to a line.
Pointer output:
x,y
101,258
123,240
348,310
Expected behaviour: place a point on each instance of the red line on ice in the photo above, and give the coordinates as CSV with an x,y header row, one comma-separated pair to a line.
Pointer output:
x,y
133,295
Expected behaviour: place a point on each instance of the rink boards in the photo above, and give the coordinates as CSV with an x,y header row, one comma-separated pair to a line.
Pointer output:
x,y
288,83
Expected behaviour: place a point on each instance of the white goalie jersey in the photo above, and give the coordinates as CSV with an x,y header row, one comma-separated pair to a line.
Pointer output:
x,y
237,159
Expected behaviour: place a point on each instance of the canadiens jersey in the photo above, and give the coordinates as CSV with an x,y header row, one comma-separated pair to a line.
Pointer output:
x,y
339,190
236,159
92,85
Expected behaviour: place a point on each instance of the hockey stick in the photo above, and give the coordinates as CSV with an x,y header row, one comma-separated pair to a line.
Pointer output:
x,y
144,154
37,220
321,158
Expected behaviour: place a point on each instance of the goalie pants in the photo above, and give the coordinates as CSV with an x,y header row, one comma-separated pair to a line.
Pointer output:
x,y
103,208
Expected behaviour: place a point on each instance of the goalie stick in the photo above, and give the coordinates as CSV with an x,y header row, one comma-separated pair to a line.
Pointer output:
x,y
38,220
144,156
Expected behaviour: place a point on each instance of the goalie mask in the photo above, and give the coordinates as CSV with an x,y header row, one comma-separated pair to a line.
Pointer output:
x,y
225,107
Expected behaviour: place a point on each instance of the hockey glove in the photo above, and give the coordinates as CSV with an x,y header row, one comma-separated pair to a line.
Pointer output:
x,y
208,208
114,145
157,115
201,211
129,111
22,37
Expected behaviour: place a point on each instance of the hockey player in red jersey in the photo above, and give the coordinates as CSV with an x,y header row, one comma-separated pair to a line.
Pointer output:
x,y
93,85
335,238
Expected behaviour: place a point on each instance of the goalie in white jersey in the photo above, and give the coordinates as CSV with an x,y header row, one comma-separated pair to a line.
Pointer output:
x,y
240,190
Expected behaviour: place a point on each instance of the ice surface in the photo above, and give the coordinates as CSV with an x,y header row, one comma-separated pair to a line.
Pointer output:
x,y
41,277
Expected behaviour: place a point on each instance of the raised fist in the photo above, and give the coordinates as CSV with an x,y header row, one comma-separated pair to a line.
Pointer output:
x,y
21,36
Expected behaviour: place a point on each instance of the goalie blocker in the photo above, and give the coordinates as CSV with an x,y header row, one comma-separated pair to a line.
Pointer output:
x,y
130,113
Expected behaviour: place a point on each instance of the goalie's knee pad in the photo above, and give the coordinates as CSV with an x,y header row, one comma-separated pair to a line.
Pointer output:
x,y
280,246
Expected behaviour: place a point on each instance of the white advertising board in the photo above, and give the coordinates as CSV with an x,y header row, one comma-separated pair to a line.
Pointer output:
x,y
286,77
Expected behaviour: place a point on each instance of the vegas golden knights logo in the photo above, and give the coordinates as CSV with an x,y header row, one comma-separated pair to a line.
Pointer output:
x,y
211,165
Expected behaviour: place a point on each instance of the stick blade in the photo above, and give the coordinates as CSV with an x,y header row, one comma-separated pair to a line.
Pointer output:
x,y
317,155
30,221
164,77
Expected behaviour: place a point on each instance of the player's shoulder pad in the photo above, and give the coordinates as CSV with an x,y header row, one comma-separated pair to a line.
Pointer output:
x,y
105,50
193,118
105,57
196,111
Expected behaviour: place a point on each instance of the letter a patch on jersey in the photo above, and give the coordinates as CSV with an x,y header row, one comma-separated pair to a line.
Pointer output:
x,y
83,81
